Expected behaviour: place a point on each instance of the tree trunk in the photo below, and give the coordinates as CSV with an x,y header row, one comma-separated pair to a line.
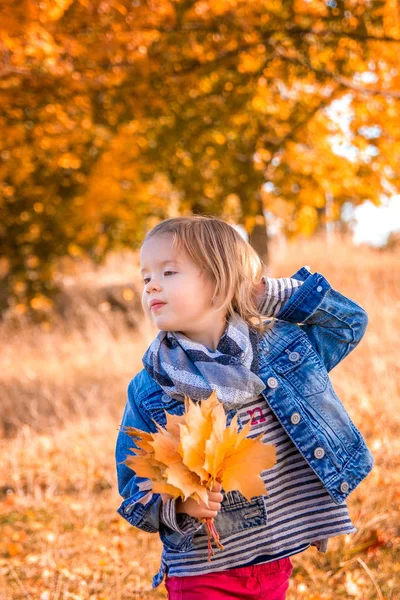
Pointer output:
x,y
258,238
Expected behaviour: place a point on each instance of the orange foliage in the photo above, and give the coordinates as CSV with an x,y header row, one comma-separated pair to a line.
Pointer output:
x,y
114,113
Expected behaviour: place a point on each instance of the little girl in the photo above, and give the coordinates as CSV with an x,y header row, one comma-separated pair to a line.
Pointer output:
x,y
265,346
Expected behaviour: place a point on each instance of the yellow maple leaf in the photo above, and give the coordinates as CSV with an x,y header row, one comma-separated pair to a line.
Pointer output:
x,y
193,437
188,482
143,436
165,447
173,422
163,487
237,461
145,465
243,465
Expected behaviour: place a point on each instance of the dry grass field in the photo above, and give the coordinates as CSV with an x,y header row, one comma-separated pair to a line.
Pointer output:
x,y
62,394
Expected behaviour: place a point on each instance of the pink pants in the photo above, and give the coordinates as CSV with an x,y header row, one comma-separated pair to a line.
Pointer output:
x,y
268,581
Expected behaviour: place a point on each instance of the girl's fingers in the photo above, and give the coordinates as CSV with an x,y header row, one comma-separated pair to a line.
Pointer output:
x,y
215,497
214,506
209,514
216,487
211,510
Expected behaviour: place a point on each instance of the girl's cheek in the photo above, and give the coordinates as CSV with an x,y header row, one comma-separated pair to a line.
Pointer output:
x,y
144,305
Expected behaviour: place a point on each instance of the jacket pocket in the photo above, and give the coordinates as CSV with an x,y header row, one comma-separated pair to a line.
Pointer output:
x,y
176,542
237,513
334,420
302,368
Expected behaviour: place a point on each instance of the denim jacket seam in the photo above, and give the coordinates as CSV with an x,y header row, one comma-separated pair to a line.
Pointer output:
x,y
300,273
136,520
183,547
303,292
347,323
143,410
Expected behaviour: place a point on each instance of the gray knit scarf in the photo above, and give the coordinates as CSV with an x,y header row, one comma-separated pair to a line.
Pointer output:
x,y
181,366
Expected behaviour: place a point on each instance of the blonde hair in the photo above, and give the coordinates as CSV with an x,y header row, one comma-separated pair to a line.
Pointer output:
x,y
220,251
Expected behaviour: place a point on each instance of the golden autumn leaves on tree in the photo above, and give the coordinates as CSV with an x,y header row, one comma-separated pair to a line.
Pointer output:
x,y
195,450
112,112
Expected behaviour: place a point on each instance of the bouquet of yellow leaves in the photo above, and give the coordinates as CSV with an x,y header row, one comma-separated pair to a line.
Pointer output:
x,y
196,449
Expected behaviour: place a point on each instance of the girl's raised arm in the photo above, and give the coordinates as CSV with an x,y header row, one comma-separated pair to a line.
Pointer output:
x,y
334,324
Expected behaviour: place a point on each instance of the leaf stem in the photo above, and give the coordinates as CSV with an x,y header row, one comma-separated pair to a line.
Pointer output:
x,y
212,534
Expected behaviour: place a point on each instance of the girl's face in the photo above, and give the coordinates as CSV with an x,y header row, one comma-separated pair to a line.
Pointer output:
x,y
184,289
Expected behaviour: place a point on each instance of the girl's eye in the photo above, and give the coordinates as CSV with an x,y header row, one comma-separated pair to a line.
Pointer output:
x,y
146,279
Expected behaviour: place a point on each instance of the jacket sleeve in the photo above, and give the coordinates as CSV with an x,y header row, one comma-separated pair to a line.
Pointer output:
x,y
334,324
140,507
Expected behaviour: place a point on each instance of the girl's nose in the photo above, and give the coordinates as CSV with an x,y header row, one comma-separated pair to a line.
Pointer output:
x,y
152,285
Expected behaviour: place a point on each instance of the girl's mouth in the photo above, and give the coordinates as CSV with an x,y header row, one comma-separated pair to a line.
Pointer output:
x,y
157,306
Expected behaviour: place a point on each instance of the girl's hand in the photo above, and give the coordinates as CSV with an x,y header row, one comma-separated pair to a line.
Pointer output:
x,y
200,511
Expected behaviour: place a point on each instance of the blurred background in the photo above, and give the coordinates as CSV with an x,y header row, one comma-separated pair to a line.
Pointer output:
x,y
280,117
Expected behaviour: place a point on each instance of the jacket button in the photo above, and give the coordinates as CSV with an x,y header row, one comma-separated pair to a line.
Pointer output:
x,y
344,487
319,288
293,356
319,452
295,418
272,382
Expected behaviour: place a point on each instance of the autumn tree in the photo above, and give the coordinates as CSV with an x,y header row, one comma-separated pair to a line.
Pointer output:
x,y
113,112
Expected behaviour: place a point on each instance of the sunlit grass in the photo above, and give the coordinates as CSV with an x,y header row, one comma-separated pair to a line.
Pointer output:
x,y
62,396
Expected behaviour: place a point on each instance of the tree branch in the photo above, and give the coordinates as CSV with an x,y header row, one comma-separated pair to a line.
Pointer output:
x,y
301,124
343,81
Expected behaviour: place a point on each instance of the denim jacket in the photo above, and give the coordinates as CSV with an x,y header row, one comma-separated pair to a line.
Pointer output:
x,y
316,328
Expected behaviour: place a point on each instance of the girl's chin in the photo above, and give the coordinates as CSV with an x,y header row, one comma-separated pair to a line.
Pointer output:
x,y
167,324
